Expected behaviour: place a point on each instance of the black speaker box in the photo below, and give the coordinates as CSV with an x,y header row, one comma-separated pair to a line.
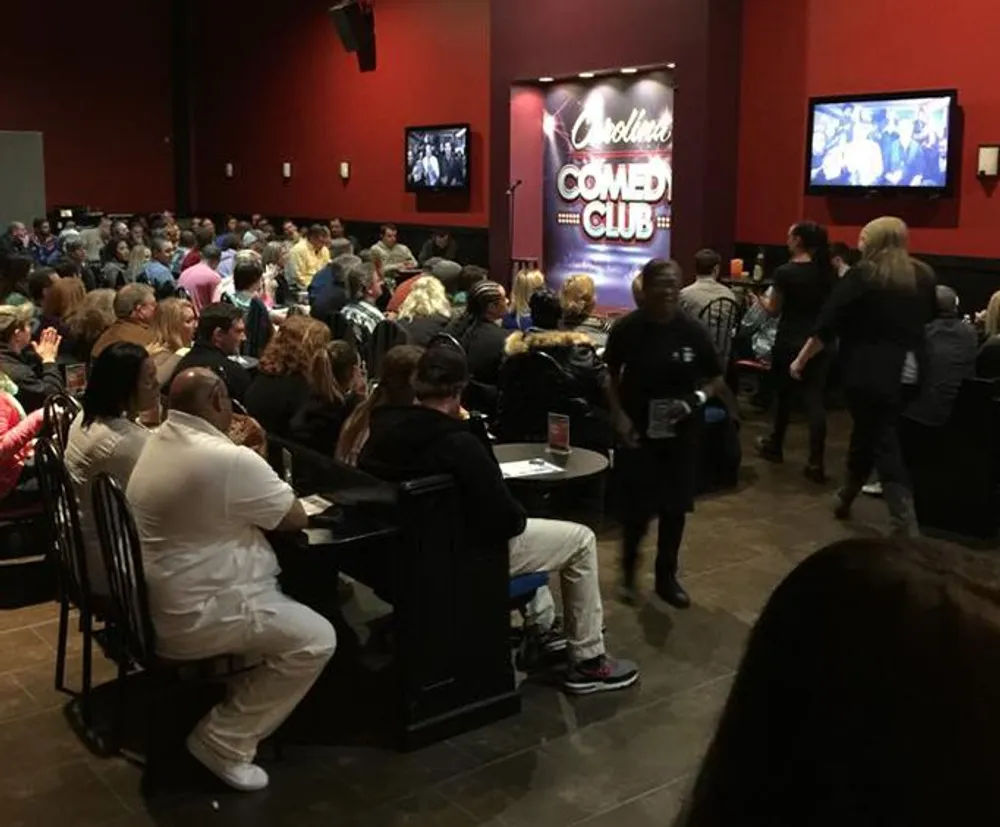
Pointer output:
x,y
356,27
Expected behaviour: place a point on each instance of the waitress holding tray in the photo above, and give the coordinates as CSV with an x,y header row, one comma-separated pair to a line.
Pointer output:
x,y
663,368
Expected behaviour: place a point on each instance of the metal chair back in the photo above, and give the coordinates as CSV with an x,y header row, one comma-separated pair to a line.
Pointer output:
x,y
57,415
64,523
122,554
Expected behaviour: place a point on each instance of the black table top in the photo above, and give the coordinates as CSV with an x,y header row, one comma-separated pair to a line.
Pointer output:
x,y
750,284
579,463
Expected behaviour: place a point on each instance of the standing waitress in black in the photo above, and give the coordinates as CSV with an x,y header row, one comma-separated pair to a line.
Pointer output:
x,y
663,367
801,287
877,311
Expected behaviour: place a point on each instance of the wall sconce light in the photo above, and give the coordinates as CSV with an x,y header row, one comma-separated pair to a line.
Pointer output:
x,y
988,161
286,170
345,170
229,169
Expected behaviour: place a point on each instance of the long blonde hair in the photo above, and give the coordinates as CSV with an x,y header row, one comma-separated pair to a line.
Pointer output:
x,y
525,283
992,321
137,261
298,347
168,326
883,245
427,297
578,297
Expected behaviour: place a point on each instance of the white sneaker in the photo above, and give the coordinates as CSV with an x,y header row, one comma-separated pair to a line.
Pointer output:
x,y
240,775
872,489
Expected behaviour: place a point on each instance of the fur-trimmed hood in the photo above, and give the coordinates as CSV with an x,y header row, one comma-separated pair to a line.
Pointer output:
x,y
519,343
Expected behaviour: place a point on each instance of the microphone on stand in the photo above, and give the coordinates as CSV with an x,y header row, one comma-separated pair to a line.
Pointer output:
x,y
514,186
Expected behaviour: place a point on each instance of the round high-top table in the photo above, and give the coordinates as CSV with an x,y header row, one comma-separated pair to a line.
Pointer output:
x,y
578,464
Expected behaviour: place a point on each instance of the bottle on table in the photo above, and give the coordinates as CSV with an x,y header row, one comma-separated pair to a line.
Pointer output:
x,y
758,267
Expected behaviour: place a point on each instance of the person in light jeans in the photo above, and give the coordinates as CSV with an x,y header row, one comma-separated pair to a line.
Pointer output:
x,y
431,437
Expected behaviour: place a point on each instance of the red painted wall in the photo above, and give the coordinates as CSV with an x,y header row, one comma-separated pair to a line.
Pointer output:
x,y
307,103
96,82
527,147
794,49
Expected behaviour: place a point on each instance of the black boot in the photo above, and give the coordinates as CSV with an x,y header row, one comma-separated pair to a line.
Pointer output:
x,y
670,590
902,514
766,449
845,499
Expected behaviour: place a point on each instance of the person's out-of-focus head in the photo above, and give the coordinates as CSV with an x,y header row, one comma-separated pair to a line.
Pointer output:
x,y
388,234
706,264
885,233
345,365
661,285
487,301
427,297
40,282
295,347
442,374
340,246
95,314
441,238
187,239
471,275
883,713
174,325
202,392
274,254
136,302
162,250
120,250
364,283
15,330
546,311
204,236
841,257
884,245
122,383
947,301
119,231
64,298
578,298
221,325
75,250
290,231
14,274
337,229
317,235
41,227
396,375
526,283
991,321
18,230
248,271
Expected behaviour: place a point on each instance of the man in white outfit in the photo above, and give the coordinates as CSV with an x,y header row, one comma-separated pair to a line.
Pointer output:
x,y
200,504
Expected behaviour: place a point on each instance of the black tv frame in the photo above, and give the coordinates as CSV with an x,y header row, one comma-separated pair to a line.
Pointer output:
x,y
468,157
954,145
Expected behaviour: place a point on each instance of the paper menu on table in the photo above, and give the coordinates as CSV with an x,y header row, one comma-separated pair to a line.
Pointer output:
x,y
527,468
314,504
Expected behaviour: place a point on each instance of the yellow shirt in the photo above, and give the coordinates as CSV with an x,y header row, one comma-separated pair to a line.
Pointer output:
x,y
306,262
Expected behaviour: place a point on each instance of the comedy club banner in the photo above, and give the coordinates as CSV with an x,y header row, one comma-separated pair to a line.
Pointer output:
x,y
607,179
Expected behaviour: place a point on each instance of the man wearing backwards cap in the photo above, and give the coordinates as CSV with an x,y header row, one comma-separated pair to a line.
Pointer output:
x,y
33,369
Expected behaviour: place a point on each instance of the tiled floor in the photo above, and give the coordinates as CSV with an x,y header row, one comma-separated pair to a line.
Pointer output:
x,y
624,759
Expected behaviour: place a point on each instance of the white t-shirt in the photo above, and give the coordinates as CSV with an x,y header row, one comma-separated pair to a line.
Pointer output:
x,y
109,446
200,503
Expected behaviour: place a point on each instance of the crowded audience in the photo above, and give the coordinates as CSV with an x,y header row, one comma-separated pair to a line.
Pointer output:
x,y
177,327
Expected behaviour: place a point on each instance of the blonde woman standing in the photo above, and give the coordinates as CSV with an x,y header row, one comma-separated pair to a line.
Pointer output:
x,y
526,283
877,311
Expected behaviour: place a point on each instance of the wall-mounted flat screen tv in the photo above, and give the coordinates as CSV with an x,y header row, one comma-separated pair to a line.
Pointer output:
x,y
888,143
437,158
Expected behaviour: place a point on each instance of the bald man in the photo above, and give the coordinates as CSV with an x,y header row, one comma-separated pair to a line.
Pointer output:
x,y
201,504
951,346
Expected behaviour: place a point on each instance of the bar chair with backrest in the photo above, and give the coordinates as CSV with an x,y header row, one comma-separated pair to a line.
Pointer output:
x,y
70,563
129,608
58,414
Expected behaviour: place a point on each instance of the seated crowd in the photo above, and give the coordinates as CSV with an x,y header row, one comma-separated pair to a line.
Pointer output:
x,y
222,339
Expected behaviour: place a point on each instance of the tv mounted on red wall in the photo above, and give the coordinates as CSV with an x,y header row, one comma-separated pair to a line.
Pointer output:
x,y
437,158
882,143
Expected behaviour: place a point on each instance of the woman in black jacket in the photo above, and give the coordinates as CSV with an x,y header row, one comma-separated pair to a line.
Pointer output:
x,y
877,311
479,333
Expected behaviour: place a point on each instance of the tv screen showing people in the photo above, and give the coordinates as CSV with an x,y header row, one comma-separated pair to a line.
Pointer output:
x,y
437,157
894,141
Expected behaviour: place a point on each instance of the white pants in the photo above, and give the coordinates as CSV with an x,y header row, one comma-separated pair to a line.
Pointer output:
x,y
569,549
294,643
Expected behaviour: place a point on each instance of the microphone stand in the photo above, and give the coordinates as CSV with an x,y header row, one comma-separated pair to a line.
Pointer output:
x,y
511,196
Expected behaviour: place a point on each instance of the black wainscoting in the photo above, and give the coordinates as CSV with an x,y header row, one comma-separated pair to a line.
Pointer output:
x,y
974,279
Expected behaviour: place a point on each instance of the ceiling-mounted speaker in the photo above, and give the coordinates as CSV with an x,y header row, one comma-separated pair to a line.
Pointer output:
x,y
356,26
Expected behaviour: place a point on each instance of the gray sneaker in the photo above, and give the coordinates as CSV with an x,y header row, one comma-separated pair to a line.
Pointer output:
x,y
603,674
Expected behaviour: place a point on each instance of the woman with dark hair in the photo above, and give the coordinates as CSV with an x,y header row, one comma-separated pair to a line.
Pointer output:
x,y
878,713
14,281
877,312
394,388
662,367
105,438
479,333
116,261
800,288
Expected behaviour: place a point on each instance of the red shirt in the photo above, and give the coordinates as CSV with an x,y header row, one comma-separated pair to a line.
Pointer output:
x,y
191,259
